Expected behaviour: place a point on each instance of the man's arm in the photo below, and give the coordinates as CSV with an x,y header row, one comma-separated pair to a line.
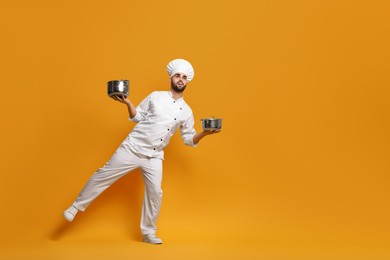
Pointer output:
x,y
199,136
189,135
130,107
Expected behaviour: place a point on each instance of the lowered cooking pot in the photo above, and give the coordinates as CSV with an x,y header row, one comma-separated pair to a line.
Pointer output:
x,y
211,123
118,88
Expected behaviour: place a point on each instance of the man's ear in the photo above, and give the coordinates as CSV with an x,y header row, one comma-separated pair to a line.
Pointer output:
x,y
170,79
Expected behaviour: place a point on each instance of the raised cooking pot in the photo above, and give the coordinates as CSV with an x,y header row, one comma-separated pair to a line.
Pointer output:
x,y
118,88
211,123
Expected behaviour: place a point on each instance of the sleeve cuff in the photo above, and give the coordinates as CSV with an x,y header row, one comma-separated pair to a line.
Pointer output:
x,y
137,117
190,142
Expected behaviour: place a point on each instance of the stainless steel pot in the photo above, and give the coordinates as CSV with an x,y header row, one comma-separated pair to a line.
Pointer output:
x,y
211,123
118,88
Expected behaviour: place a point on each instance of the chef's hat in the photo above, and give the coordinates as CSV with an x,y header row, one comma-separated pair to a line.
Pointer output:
x,y
180,66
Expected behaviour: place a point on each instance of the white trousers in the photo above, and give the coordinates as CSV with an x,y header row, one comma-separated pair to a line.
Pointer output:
x,y
122,162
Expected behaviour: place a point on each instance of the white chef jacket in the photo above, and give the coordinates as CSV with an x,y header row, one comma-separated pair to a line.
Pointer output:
x,y
158,117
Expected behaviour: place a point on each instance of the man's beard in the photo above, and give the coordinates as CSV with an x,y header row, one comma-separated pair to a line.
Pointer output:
x,y
176,88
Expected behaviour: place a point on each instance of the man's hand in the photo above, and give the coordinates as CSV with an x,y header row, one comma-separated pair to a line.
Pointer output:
x,y
121,99
199,136
211,132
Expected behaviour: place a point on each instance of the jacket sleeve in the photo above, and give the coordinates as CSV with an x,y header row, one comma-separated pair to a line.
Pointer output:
x,y
187,131
142,109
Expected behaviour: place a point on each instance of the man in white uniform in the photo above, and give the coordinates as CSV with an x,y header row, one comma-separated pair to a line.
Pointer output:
x,y
158,116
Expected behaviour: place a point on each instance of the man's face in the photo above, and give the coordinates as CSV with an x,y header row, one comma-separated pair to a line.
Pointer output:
x,y
179,82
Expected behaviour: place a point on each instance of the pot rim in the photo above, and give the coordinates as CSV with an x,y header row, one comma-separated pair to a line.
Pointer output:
x,y
211,119
116,80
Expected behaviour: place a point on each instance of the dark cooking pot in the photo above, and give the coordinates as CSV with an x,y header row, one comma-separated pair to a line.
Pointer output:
x,y
211,123
118,88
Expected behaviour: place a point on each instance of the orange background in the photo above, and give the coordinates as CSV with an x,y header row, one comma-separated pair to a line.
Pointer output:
x,y
300,170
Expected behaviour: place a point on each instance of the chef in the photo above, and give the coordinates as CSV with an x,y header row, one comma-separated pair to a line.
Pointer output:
x,y
158,117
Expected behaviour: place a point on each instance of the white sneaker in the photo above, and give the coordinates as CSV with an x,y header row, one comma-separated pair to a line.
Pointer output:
x,y
70,213
151,238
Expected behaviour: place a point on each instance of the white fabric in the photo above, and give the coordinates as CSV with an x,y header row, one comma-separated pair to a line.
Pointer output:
x,y
122,162
181,66
70,213
158,117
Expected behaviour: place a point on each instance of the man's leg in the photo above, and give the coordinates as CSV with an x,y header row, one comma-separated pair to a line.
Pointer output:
x,y
122,162
152,175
